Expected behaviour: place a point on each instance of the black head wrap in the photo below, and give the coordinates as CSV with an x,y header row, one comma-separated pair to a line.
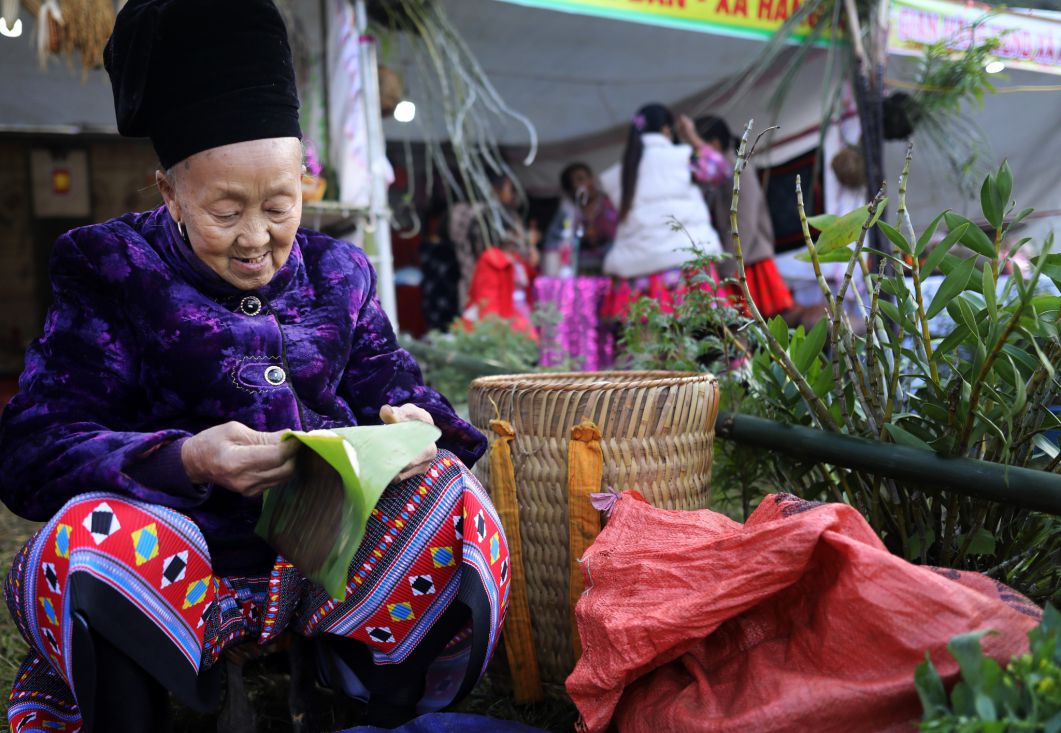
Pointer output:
x,y
197,74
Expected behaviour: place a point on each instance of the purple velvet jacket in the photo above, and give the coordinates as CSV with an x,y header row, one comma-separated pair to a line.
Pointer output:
x,y
145,346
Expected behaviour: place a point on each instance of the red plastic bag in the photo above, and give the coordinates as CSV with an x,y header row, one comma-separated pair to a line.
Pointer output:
x,y
798,620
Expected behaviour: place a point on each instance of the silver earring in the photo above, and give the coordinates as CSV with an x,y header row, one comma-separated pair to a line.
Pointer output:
x,y
183,231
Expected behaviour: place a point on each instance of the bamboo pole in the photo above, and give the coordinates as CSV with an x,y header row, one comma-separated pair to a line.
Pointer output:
x,y
1010,485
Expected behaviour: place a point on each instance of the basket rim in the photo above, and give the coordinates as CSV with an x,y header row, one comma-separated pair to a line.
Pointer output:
x,y
631,380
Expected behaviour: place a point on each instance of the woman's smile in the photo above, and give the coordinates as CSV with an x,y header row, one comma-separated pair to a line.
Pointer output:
x,y
251,264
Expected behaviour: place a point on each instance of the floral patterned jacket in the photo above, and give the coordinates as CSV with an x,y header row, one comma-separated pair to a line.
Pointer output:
x,y
145,345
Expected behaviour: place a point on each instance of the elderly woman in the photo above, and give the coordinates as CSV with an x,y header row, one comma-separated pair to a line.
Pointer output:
x,y
180,343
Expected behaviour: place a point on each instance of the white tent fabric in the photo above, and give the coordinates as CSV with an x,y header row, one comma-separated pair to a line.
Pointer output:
x,y
580,79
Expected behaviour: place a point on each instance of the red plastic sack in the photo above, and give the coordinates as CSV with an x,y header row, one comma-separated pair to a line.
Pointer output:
x,y
798,620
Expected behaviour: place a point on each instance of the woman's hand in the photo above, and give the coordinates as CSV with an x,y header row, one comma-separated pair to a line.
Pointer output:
x,y
239,459
687,132
405,413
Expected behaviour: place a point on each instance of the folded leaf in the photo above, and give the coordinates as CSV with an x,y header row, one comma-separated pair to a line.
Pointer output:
x,y
317,520
926,236
895,236
821,221
842,254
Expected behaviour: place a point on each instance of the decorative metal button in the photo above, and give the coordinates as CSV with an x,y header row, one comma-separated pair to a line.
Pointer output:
x,y
251,305
275,376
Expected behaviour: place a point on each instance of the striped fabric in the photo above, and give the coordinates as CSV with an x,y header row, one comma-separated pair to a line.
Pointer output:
x,y
431,540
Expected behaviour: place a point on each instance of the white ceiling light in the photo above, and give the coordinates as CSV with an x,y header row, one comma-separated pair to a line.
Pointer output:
x,y
405,111
12,31
10,23
993,67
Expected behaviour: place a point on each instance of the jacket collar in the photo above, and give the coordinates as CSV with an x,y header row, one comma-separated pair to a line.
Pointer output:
x,y
160,229
655,140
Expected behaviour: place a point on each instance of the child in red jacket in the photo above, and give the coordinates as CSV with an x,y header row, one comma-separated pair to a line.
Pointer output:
x,y
501,286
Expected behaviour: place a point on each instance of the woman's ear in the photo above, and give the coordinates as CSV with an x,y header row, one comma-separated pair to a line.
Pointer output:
x,y
169,194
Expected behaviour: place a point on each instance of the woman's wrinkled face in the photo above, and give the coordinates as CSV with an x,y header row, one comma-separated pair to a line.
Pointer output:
x,y
241,205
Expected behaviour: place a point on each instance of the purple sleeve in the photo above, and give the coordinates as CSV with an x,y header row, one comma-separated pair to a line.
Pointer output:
x,y
72,427
382,373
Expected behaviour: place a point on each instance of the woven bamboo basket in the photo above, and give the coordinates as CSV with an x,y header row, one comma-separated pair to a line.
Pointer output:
x,y
657,435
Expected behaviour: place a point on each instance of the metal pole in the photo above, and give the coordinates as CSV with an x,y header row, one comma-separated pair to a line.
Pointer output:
x,y
379,223
1022,487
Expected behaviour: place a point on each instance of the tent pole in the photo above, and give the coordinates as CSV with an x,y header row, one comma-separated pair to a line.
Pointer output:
x,y
379,224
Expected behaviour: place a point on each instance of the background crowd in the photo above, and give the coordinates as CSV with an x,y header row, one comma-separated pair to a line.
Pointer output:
x,y
632,228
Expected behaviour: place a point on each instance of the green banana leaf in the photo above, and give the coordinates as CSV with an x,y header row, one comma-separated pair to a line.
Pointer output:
x,y
317,520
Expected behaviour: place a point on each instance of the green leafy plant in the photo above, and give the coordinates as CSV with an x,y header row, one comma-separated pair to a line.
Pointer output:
x,y
705,332
1023,696
979,385
456,357
699,334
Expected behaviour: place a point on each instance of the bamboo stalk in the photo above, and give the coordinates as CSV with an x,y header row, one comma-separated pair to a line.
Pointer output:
x,y
893,386
906,227
872,366
827,292
830,301
926,337
814,404
862,391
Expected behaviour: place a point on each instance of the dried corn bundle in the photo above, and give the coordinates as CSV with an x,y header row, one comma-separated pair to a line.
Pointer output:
x,y
72,27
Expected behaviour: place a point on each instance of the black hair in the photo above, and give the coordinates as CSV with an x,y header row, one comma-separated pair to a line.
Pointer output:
x,y
567,175
496,178
650,118
711,128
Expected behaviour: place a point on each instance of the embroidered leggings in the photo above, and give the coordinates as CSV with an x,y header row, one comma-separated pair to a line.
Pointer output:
x,y
425,599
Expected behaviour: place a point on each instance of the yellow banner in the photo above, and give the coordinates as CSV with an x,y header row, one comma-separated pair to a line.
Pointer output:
x,y
1028,40
742,18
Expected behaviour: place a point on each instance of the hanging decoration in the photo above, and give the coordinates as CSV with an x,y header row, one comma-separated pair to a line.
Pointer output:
x,y
849,165
458,98
78,28
347,120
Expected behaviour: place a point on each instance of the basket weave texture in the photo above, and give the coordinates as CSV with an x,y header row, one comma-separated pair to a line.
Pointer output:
x,y
657,436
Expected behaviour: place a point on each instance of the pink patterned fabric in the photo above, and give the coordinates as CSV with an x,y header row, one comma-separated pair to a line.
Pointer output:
x,y
710,166
580,335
